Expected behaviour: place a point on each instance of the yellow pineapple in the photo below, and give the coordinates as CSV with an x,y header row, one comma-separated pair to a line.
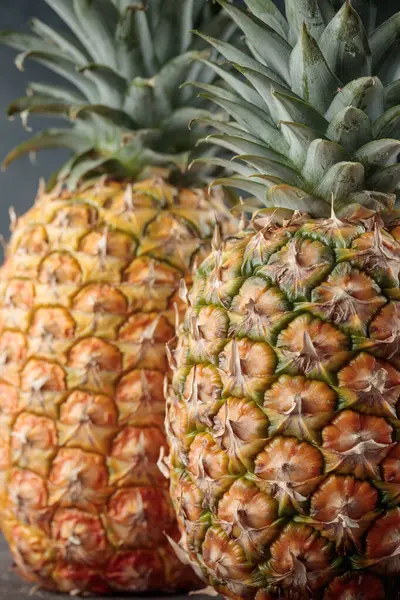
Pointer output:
x,y
284,414
89,294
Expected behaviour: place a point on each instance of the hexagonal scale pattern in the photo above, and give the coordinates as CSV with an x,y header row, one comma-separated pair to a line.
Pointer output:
x,y
284,414
88,297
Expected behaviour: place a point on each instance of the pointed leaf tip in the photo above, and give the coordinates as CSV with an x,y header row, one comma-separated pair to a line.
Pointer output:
x,y
344,44
311,77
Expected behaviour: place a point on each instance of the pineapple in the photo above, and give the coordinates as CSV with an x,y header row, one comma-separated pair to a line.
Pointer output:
x,y
284,413
90,290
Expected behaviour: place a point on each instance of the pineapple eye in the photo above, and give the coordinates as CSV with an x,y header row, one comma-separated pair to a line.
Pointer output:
x,y
193,199
33,241
224,557
162,227
370,385
369,586
60,268
345,500
55,322
138,449
300,407
382,536
76,531
78,479
146,335
20,294
140,396
9,402
125,568
133,510
108,243
29,495
129,200
34,443
84,407
12,347
102,298
93,353
75,215
355,443
146,326
391,465
42,376
146,270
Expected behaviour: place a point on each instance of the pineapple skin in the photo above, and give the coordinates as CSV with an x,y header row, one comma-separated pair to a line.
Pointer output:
x,y
283,416
89,297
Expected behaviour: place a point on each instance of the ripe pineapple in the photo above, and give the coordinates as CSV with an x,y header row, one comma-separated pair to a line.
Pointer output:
x,y
89,291
284,414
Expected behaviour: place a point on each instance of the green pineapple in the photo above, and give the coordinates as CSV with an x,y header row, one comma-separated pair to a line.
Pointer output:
x,y
89,293
284,414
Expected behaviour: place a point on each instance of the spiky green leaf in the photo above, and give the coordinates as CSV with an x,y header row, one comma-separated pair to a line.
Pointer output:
x,y
265,87
311,77
146,43
256,120
294,109
299,138
65,10
239,146
230,128
321,156
227,165
244,90
286,196
246,184
110,85
82,169
344,44
342,179
388,124
268,12
41,105
232,54
383,38
271,47
55,92
313,13
48,139
392,94
98,28
379,153
66,69
350,128
273,168
365,93
62,40
386,180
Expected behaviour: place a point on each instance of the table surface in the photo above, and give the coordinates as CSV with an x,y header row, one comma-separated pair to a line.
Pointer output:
x,y
13,588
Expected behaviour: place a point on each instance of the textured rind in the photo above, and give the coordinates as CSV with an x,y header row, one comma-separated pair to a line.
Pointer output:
x,y
283,416
89,293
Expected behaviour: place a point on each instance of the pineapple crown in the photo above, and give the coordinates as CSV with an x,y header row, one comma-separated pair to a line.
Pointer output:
x,y
126,61
315,110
